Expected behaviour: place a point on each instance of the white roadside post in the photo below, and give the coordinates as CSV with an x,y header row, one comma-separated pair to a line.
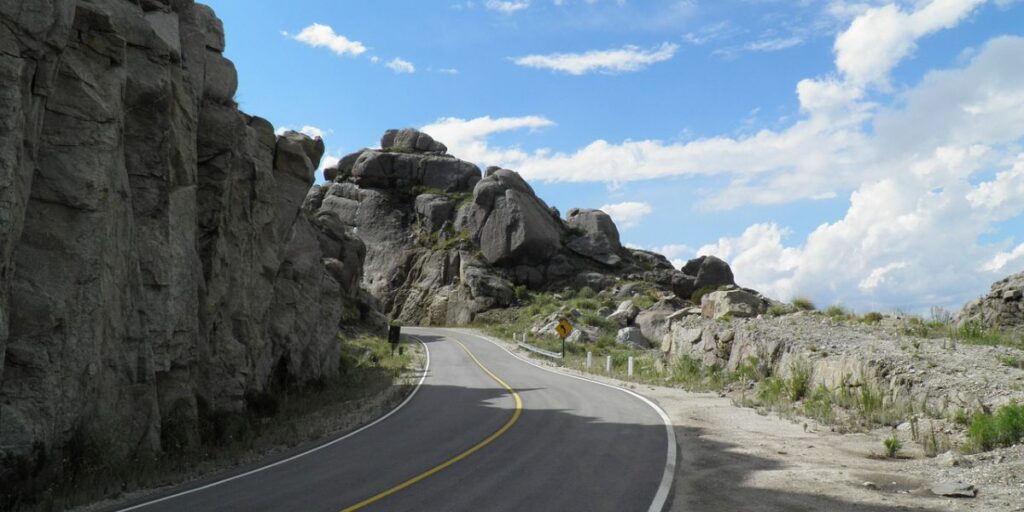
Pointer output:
x,y
629,370
590,356
608,364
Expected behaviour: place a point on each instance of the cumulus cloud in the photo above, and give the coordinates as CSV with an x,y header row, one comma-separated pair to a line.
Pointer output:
x,y
323,36
467,138
882,36
626,59
399,65
506,7
628,214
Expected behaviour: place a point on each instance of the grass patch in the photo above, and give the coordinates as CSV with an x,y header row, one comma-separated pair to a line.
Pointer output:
x,y
836,312
803,304
973,333
1012,361
1005,427
892,445
873,317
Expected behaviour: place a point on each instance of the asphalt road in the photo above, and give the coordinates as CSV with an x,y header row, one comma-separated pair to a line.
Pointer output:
x,y
485,431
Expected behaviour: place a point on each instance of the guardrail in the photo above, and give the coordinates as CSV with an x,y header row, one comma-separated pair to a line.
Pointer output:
x,y
522,343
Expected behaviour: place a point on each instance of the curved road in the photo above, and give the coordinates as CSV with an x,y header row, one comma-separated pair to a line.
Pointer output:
x,y
485,430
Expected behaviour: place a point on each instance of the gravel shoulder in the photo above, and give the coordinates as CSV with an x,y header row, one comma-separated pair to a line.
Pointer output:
x,y
737,458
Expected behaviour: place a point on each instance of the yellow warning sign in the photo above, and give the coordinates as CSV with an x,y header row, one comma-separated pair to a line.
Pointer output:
x,y
563,328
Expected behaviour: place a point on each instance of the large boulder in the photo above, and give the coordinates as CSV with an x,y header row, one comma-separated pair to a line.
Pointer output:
x,y
632,337
736,302
594,235
404,171
625,314
410,140
514,226
653,322
709,272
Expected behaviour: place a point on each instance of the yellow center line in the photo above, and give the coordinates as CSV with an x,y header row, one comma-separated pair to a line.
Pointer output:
x,y
463,455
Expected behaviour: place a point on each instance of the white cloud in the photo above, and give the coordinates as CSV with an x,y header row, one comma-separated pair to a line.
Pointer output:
x,y
506,7
1002,259
628,214
323,36
625,59
881,37
467,139
448,71
399,65
774,44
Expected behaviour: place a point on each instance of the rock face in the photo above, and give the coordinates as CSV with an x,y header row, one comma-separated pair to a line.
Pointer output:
x,y
155,259
596,236
1003,307
446,242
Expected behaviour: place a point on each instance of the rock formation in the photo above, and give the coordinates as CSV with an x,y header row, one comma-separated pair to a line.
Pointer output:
x,y
1003,307
155,260
446,242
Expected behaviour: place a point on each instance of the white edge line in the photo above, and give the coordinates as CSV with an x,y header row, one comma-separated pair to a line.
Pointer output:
x,y
661,496
426,368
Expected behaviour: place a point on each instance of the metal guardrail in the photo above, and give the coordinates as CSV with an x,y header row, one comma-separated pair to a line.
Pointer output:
x,y
539,350
522,343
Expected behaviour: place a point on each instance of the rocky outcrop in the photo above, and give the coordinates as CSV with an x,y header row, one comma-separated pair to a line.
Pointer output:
x,y
1003,307
446,242
155,259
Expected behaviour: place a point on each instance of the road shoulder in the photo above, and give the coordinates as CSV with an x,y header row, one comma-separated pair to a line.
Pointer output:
x,y
732,458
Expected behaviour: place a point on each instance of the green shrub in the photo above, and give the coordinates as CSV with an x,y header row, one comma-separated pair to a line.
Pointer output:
x,y
892,446
1004,428
699,294
772,391
836,311
803,304
818,404
586,293
799,380
777,310
872,317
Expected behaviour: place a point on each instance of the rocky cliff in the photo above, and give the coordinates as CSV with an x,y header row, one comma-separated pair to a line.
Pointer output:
x,y
155,260
446,241
1002,307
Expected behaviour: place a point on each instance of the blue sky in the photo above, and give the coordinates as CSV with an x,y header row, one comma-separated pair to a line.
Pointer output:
x,y
867,153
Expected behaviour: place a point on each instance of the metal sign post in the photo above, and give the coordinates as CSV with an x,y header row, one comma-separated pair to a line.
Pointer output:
x,y
564,328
